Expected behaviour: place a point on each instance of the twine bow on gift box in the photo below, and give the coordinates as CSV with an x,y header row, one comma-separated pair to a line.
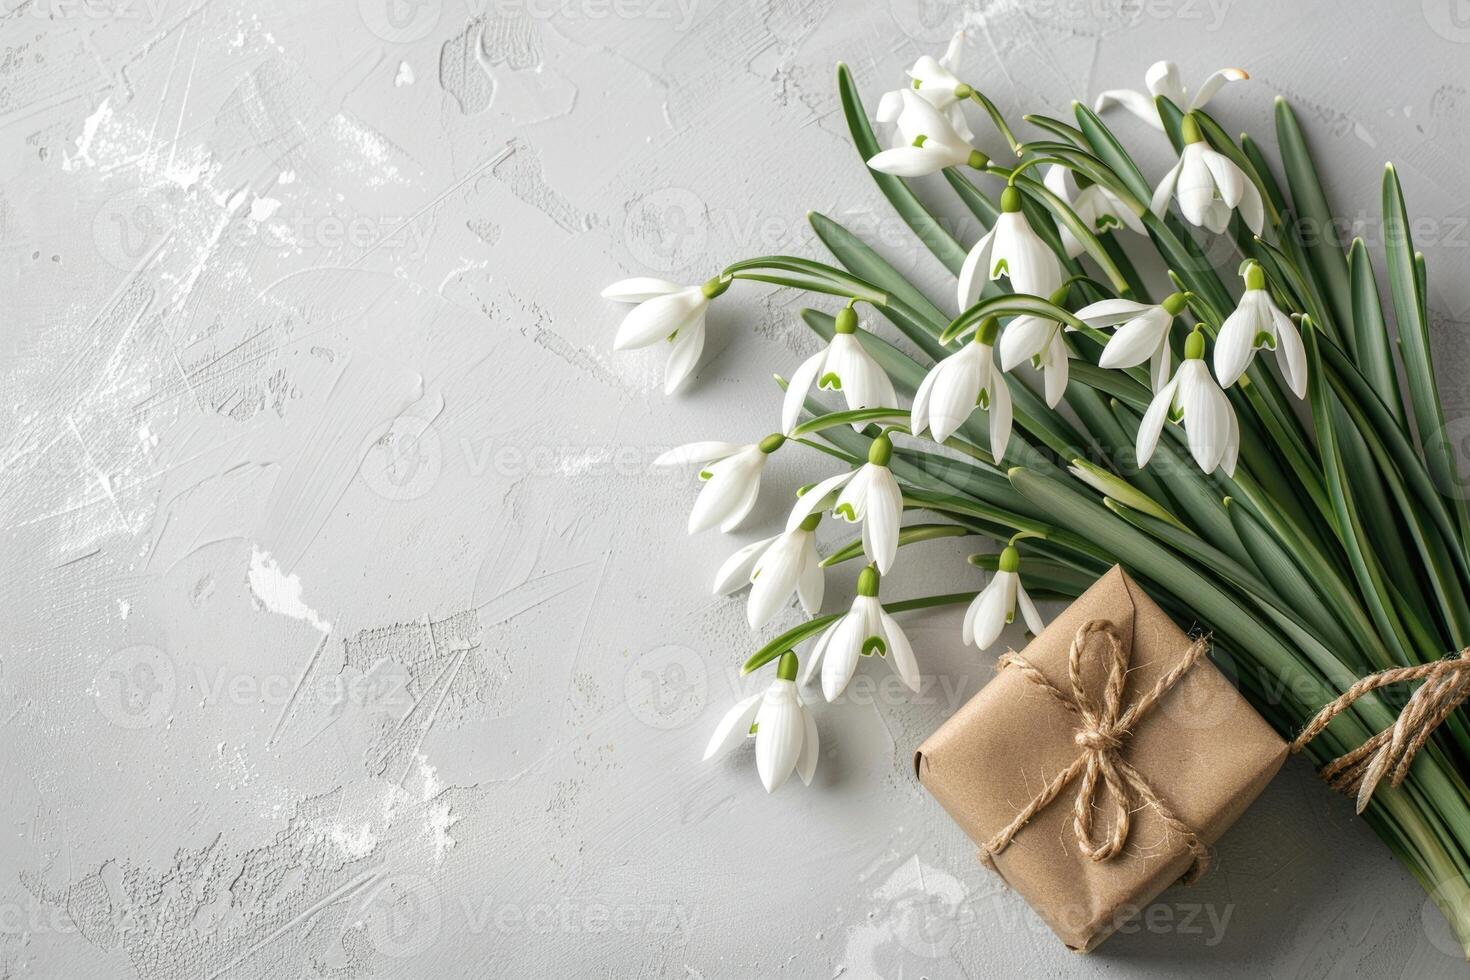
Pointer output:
x,y
1103,728
1446,686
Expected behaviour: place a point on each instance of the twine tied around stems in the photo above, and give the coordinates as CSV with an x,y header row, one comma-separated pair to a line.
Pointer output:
x,y
1446,686
1102,729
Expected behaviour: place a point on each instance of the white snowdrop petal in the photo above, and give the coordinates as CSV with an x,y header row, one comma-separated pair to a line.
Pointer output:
x,y
797,389
639,288
900,653
806,762
735,572
733,727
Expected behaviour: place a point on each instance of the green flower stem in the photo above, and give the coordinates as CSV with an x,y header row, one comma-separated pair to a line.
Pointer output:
x,y
978,97
810,628
912,534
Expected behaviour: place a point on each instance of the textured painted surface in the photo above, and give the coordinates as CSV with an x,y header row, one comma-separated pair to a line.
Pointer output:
x,y
348,629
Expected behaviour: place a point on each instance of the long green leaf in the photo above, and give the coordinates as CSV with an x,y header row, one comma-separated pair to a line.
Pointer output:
x,y
1408,307
915,215
1319,231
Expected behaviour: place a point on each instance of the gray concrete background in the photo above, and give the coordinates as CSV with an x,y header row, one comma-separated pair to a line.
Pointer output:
x,y
348,630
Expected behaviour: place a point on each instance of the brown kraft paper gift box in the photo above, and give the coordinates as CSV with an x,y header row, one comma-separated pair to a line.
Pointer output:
x,y
1203,751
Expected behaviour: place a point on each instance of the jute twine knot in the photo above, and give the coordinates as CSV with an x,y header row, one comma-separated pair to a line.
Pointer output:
x,y
1102,729
1357,773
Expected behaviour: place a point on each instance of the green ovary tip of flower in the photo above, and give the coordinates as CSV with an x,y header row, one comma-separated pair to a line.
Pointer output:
x,y
786,666
874,644
1194,346
978,160
771,443
1010,200
1175,303
1189,130
868,580
847,320
961,91
714,287
1255,277
1010,560
988,330
881,451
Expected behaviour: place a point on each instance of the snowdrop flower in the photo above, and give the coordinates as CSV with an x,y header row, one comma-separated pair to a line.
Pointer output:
x,y
1039,340
665,311
927,143
774,568
996,604
936,81
732,476
1163,79
1209,187
863,631
1010,249
1142,333
844,366
870,496
1193,397
784,730
1099,208
1257,322
954,386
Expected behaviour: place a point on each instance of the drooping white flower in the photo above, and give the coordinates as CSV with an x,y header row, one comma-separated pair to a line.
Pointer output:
x,y
1256,323
861,632
1163,79
1193,397
995,606
1142,333
774,568
1098,208
937,82
1209,186
926,143
665,311
784,730
842,366
731,475
1010,249
868,495
954,386
1039,340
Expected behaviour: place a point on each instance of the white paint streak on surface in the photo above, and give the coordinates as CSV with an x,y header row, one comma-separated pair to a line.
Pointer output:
x,y
279,592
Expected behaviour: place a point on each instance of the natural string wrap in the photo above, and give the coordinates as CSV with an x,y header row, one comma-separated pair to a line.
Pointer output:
x,y
1446,686
1101,732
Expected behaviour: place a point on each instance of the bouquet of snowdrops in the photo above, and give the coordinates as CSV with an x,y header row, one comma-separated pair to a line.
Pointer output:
x,y
1239,442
